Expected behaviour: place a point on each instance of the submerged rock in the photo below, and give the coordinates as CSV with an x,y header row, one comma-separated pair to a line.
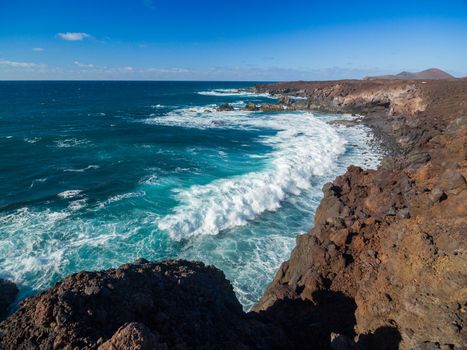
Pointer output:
x,y
225,107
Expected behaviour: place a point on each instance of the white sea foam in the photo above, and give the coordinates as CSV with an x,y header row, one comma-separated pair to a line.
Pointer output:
x,y
40,245
157,106
32,140
37,246
249,270
302,148
74,142
69,194
120,197
82,170
234,92
34,182
77,205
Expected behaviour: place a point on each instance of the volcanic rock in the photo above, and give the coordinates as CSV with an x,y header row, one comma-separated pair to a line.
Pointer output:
x,y
225,107
8,292
250,106
166,305
393,239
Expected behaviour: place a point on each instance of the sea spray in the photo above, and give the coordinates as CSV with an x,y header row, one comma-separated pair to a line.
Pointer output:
x,y
303,147
233,189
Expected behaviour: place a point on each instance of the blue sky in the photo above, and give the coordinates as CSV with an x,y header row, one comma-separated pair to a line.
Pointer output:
x,y
229,40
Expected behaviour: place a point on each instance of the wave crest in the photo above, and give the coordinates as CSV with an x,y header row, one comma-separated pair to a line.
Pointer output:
x,y
302,148
234,92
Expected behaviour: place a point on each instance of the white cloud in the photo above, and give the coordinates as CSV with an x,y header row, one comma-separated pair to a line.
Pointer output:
x,y
69,36
167,70
37,49
128,69
83,65
26,65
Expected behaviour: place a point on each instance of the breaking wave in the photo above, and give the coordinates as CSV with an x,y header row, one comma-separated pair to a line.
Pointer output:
x,y
233,92
303,147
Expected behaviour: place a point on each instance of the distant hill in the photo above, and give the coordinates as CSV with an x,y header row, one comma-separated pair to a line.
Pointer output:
x,y
429,74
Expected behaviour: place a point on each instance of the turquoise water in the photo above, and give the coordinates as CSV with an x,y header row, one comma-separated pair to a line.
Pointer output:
x,y
96,174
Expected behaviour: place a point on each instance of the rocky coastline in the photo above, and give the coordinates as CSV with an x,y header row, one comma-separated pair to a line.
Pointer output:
x,y
393,239
384,266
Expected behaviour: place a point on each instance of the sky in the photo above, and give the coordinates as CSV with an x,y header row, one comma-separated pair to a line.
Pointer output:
x,y
251,40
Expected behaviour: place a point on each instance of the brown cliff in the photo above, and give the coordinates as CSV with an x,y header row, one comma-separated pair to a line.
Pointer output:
x,y
391,239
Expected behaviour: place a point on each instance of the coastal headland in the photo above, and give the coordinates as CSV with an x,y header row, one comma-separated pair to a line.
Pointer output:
x,y
384,266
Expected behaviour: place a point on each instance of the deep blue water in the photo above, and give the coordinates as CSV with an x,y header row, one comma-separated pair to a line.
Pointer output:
x,y
96,174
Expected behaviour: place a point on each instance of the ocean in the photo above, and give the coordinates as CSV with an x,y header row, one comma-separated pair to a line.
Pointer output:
x,y
97,174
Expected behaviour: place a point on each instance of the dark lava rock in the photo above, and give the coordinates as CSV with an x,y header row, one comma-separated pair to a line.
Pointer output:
x,y
251,107
225,107
133,336
166,305
8,292
269,107
387,247
286,100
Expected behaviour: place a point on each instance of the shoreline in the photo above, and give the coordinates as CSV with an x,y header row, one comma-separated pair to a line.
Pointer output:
x,y
357,233
348,275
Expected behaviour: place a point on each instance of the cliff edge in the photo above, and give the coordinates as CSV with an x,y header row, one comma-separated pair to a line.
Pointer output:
x,y
392,239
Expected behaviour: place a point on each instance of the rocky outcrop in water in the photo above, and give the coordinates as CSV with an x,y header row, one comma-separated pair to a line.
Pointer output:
x,y
225,108
250,106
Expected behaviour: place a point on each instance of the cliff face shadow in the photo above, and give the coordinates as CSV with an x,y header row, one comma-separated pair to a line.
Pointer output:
x,y
309,324
384,338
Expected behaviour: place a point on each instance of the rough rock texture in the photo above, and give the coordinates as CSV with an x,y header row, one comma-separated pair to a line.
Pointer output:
x,y
225,107
395,109
393,240
135,336
167,305
250,106
8,292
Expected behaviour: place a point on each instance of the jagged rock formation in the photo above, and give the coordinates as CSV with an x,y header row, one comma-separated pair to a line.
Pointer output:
x,y
393,240
167,305
250,106
8,292
395,110
225,108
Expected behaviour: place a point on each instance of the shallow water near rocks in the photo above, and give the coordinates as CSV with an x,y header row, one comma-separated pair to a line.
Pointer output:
x,y
97,174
